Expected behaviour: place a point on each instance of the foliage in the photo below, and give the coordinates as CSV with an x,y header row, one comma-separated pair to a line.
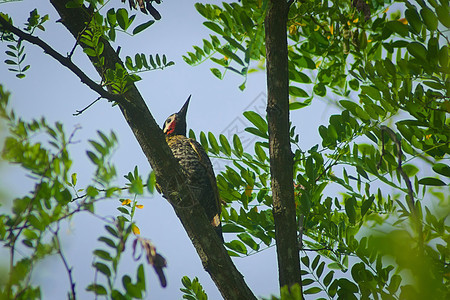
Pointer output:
x,y
193,290
372,199
16,49
43,151
394,65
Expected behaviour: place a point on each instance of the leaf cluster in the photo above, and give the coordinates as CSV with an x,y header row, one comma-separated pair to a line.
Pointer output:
x,y
392,66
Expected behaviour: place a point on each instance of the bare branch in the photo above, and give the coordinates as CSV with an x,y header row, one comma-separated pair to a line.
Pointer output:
x,y
79,112
65,61
66,264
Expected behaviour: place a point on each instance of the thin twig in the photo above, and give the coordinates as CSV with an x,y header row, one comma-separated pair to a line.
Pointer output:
x,y
79,112
65,61
410,198
64,260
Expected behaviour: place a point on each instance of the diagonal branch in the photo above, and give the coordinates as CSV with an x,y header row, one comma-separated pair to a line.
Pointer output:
x,y
65,61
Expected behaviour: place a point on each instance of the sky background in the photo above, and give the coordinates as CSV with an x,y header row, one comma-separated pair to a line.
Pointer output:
x,y
52,91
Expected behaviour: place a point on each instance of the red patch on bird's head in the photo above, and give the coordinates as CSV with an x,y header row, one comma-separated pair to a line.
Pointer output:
x,y
170,124
171,128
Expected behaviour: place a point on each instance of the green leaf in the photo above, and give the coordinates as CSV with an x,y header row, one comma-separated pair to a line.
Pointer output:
x,y
233,56
102,254
304,62
226,149
413,18
299,77
431,181
98,289
442,169
297,105
90,52
305,260
111,17
320,89
417,50
216,73
214,27
143,26
74,179
237,145
297,92
371,91
398,27
35,222
429,18
350,209
229,227
307,281
443,13
260,153
237,246
151,182
247,22
213,142
366,205
101,267
315,262
186,281
107,241
122,18
256,120
394,284
204,141
410,170
247,239
312,290
319,270
111,230
327,279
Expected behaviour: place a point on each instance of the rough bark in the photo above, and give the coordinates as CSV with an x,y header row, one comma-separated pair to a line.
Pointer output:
x,y
281,157
213,255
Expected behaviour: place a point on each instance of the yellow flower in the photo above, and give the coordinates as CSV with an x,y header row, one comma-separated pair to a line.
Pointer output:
x,y
331,29
428,136
140,206
135,229
403,20
126,202
385,11
356,20
292,29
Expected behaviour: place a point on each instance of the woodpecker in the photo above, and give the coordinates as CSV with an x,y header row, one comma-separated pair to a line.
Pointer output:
x,y
196,166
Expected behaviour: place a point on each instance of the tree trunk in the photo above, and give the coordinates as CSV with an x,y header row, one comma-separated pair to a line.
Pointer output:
x,y
281,156
213,255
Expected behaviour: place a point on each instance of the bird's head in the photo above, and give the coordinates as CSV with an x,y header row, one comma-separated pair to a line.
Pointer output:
x,y
176,123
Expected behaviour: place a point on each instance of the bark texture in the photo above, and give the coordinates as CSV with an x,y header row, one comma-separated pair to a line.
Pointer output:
x,y
281,157
213,255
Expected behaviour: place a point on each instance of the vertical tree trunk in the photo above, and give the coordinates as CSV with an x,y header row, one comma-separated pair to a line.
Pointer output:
x,y
281,157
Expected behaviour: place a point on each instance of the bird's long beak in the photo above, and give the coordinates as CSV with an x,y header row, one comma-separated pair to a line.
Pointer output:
x,y
183,111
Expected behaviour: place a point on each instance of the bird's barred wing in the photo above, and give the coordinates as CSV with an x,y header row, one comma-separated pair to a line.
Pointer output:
x,y
206,163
